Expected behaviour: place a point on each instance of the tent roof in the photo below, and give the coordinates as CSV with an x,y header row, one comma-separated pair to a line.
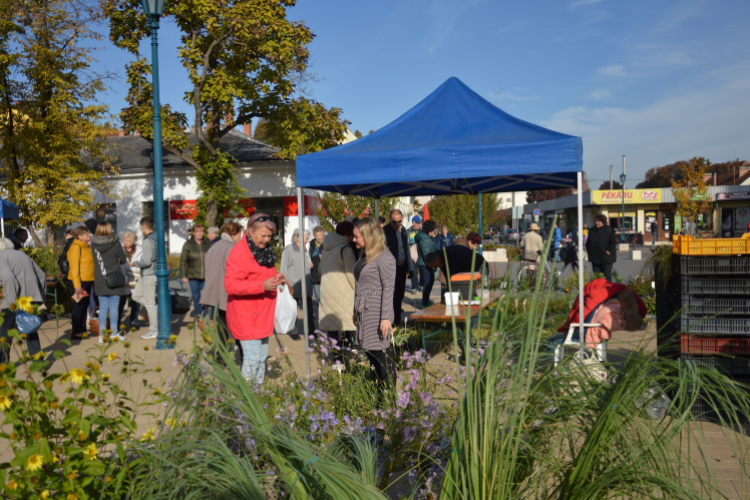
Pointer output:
x,y
8,210
454,141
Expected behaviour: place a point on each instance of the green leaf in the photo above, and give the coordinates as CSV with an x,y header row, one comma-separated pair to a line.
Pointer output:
x,y
85,426
10,418
37,366
64,342
94,468
44,449
58,354
24,454
71,417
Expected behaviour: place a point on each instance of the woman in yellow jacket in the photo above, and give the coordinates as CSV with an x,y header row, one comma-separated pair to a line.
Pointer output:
x,y
80,278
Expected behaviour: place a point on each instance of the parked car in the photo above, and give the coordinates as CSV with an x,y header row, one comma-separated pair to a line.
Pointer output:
x,y
510,235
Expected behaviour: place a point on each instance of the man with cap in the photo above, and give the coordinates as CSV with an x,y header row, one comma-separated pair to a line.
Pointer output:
x,y
416,225
532,244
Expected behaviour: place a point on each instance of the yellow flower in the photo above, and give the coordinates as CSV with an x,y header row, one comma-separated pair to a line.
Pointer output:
x,y
12,485
112,356
33,463
24,304
13,307
145,348
170,422
105,377
44,494
38,355
77,375
72,496
3,367
173,338
4,402
90,452
55,459
158,369
148,435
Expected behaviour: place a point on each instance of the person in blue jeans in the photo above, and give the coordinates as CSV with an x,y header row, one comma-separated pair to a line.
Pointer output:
x,y
426,244
193,265
109,280
554,254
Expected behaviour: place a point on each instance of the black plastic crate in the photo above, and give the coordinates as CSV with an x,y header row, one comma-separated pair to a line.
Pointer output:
x,y
715,305
714,326
690,285
713,265
730,365
703,411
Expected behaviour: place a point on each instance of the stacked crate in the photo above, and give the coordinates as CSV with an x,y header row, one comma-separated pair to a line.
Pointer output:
x,y
711,288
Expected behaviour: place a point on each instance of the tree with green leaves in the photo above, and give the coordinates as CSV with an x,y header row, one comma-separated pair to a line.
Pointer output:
x,y
337,207
691,191
245,60
50,125
460,212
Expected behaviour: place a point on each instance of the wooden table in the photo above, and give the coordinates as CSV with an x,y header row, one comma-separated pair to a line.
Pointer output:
x,y
439,314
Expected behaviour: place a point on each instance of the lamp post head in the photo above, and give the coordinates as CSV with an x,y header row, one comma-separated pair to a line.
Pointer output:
x,y
153,7
622,179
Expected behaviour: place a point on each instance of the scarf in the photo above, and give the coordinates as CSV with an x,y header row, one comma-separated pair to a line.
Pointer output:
x,y
266,257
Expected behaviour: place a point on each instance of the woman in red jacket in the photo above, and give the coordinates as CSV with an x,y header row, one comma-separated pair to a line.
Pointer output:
x,y
251,281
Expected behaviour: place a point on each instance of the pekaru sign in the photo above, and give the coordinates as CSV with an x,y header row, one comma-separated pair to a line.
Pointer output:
x,y
632,196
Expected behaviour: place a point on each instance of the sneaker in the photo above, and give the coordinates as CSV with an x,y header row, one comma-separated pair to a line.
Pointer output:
x,y
119,337
149,335
101,339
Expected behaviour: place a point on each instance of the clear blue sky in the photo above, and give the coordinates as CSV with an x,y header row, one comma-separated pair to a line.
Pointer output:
x,y
658,81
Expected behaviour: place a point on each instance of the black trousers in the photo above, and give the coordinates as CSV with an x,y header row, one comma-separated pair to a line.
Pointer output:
x,y
383,369
605,269
80,308
398,292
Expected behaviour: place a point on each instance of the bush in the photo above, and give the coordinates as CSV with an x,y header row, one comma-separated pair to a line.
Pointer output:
x,y
46,258
73,446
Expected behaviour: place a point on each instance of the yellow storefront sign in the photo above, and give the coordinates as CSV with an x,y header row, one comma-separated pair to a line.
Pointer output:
x,y
632,196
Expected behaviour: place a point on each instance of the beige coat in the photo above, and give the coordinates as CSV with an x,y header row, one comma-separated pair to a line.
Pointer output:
x,y
531,244
337,284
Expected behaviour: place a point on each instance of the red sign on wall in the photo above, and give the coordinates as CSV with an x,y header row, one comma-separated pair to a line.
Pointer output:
x,y
183,209
247,209
291,210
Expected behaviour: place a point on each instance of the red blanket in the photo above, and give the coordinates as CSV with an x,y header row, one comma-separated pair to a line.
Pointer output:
x,y
595,293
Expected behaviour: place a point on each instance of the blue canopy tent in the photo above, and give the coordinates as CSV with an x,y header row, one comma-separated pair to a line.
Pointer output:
x,y
8,211
452,142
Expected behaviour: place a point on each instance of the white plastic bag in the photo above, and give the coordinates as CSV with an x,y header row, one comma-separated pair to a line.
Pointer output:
x,y
286,311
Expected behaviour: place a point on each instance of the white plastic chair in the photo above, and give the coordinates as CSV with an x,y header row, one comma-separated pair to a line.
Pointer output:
x,y
601,349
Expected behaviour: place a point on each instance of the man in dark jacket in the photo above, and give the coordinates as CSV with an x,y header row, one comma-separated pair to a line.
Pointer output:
x,y
316,247
193,265
397,241
602,247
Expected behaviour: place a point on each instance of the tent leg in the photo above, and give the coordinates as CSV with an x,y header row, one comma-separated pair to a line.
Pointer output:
x,y
580,259
480,224
306,329
377,208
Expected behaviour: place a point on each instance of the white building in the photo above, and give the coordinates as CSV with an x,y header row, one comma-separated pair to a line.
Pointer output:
x,y
269,185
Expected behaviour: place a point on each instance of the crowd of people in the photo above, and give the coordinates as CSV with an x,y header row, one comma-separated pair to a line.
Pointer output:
x,y
356,279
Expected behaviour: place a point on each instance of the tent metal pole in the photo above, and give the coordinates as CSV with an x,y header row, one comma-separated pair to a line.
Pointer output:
x,y
377,209
480,224
581,318
306,329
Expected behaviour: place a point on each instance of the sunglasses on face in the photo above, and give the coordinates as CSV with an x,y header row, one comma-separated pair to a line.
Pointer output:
x,y
397,222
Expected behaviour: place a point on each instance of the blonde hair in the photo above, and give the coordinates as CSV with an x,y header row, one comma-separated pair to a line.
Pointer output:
x,y
374,238
103,229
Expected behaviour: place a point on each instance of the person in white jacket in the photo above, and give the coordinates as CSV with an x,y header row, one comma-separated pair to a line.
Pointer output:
x,y
132,273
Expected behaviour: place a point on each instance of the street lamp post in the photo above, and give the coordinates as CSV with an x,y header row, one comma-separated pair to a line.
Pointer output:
x,y
154,10
622,180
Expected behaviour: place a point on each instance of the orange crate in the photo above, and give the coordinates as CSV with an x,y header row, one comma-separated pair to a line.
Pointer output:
x,y
686,245
693,344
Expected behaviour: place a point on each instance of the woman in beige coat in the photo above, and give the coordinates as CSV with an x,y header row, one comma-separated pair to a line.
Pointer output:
x,y
337,283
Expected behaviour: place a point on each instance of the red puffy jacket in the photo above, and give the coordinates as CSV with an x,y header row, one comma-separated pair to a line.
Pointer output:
x,y
250,308
594,293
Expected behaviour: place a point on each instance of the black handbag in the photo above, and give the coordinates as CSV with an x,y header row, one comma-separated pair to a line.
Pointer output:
x,y
180,303
115,278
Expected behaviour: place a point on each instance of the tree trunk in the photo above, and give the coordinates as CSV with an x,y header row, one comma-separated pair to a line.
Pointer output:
x,y
212,212
35,237
50,236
